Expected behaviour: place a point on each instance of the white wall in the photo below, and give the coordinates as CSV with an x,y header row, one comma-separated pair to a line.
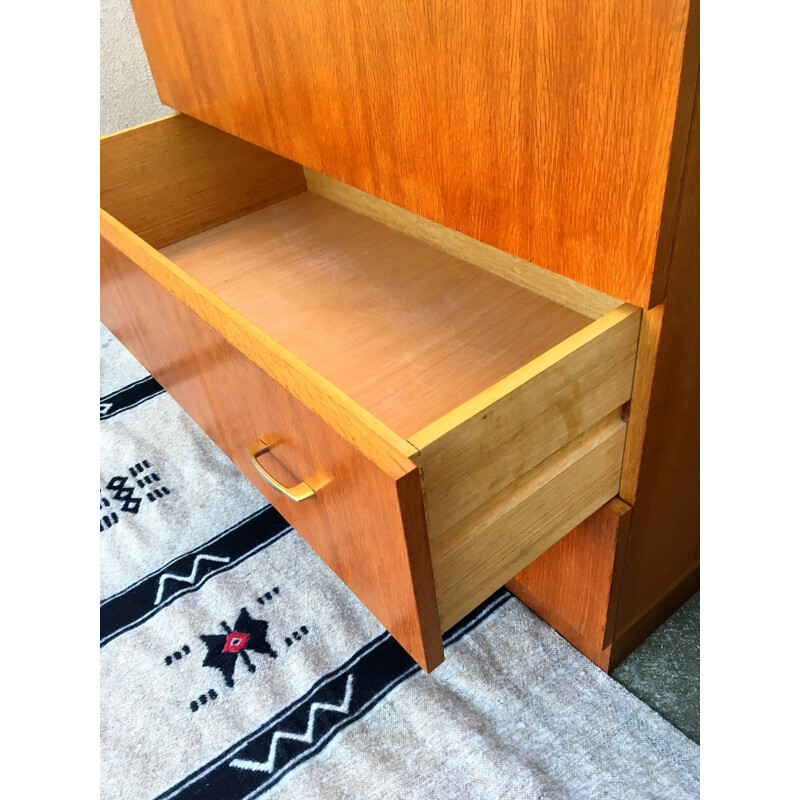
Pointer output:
x,y
127,93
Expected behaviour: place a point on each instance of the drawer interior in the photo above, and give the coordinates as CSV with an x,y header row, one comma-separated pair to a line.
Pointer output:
x,y
405,330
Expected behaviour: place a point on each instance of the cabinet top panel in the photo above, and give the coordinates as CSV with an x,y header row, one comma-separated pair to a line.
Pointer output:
x,y
553,130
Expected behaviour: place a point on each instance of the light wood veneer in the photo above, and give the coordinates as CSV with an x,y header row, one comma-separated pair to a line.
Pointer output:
x,y
407,331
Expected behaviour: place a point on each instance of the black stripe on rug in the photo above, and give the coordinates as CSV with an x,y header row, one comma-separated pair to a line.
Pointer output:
x,y
129,396
337,700
135,605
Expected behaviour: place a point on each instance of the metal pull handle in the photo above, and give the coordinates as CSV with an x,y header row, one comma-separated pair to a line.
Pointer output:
x,y
297,493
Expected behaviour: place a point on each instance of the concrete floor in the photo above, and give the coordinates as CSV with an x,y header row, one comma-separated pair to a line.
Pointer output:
x,y
664,671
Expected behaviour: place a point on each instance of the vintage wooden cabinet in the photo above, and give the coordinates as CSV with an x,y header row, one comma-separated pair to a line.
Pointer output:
x,y
428,272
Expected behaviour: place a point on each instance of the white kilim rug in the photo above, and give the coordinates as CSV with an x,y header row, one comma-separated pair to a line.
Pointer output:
x,y
234,664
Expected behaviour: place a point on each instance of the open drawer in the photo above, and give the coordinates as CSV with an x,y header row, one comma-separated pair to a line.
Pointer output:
x,y
428,426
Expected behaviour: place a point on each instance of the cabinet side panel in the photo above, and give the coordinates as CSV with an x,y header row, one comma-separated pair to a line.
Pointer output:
x,y
664,542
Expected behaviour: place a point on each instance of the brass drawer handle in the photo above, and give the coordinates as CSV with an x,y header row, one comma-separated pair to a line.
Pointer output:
x,y
297,493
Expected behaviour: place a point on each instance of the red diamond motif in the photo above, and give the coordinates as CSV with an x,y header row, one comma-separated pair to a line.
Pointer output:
x,y
235,641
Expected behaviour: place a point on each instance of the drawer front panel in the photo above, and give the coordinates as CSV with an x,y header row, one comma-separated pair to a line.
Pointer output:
x,y
367,524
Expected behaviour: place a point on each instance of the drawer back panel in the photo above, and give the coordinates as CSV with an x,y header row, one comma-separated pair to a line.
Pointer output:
x,y
573,121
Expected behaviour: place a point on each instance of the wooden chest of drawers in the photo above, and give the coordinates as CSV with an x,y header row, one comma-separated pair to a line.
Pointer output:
x,y
431,413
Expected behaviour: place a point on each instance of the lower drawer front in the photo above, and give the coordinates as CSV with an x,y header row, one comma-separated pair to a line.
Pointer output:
x,y
367,525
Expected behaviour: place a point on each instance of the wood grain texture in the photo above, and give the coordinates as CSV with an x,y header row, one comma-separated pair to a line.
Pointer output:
x,y
664,541
574,586
367,524
485,550
684,115
377,442
175,177
682,339
406,331
562,115
561,290
476,451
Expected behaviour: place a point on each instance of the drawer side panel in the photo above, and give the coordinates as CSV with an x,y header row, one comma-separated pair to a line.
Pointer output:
x,y
177,177
483,447
494,543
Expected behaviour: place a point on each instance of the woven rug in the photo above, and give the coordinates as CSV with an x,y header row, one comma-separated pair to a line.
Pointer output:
x,y
235,664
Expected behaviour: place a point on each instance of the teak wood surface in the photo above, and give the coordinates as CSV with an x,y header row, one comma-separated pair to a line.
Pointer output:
x,y
404,329
663,555
366,523
555,131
